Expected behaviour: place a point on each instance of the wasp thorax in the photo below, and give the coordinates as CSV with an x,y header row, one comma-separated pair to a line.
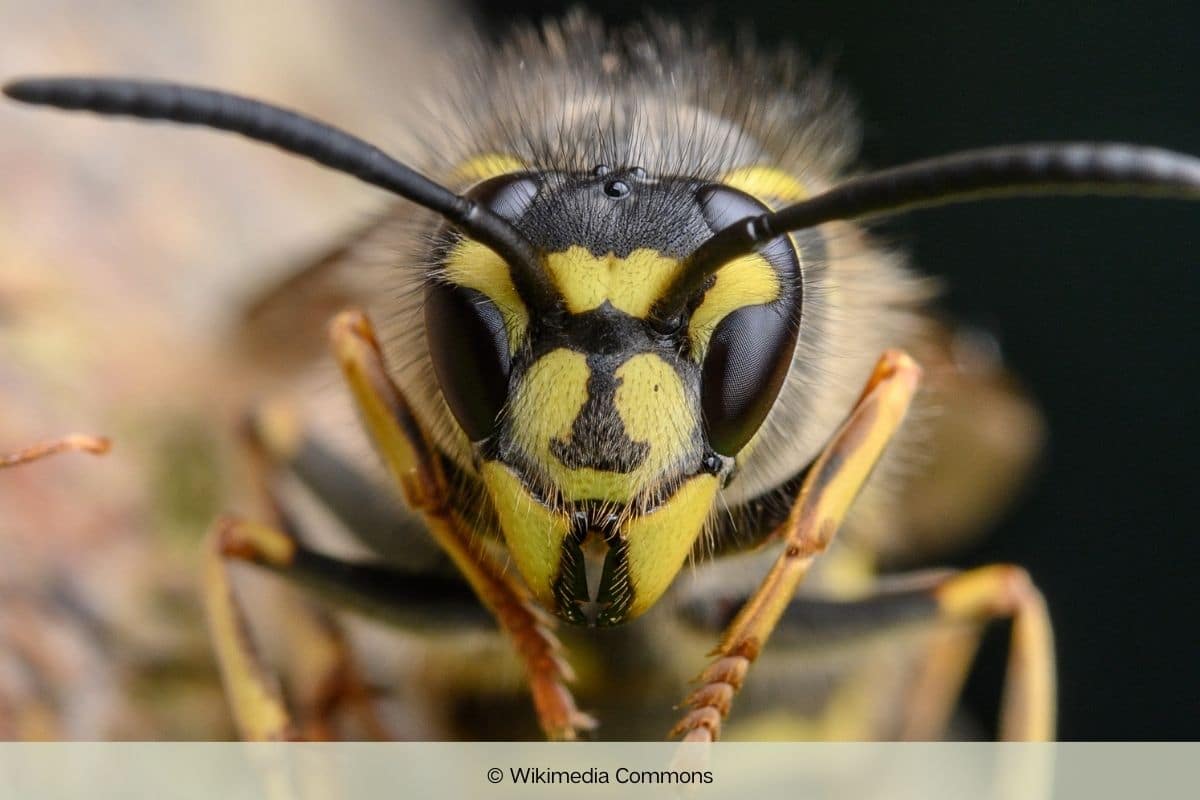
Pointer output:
x,y
603,438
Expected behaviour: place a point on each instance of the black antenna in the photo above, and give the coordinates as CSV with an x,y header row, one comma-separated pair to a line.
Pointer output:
x,y
1030,169
302,136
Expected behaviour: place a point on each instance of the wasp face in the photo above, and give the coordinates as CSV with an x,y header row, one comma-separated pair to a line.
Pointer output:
x,y
603,437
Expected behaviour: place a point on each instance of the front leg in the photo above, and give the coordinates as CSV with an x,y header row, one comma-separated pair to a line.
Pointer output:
x,y
415,465
951,608
830,487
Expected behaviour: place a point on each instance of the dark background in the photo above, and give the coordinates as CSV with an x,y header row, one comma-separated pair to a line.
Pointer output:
x,y
1091,299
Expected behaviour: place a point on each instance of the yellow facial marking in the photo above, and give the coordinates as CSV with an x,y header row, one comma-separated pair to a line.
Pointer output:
x,y
747,281
547,400
655,408
533,533
545,404
658,543
768,184
474,266
488,165
650,399
631,284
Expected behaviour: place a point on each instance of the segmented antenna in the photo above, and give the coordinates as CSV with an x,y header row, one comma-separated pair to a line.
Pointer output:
x,y
302,136
1017,170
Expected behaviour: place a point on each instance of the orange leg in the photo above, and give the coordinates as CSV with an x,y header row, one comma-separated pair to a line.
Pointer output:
x,y
831,486
322,675
1004,591
951,610
412,461
416,467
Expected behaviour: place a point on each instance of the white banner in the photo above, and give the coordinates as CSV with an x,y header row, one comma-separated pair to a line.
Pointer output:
x,y
974,771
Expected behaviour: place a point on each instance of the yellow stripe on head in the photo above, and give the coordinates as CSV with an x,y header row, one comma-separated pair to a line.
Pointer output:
x,y
632,284
749,280
654,407
767,184
746,281
475,266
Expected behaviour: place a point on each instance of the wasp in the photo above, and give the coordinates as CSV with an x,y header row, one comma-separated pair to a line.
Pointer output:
x,y
625,316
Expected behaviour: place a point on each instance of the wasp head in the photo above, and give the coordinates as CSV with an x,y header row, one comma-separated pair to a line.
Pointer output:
x,y
602,433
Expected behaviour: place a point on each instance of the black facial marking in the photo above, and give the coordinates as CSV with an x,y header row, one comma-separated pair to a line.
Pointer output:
x,y
598,438
579,210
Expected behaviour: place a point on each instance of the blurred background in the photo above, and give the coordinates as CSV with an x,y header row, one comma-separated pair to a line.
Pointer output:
x,y
121,250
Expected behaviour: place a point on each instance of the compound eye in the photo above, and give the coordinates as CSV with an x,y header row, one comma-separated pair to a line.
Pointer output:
x,y
468,345
747,361
723,205
468,342
750,352
510,195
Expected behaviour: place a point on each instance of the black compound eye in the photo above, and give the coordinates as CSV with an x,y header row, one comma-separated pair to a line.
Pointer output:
x,y
723,205
508,195
468,345
747,361
468,342
750,352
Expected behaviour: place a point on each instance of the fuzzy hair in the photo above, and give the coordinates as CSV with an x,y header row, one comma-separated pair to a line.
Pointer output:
x,y
570,95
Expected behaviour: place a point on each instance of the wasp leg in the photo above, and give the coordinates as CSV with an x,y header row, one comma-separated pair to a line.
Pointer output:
x,y
76,442
951,607
828,490
412,601
254,697
1003,590
408,600
320,673
322,676
416,467
368,512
